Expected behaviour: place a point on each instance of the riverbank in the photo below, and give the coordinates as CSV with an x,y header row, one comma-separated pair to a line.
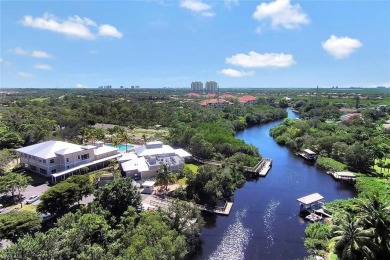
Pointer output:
x,y
264,222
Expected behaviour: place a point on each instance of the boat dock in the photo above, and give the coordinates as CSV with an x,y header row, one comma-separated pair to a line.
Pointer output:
x,y
344,176
312,207
262,168
225,211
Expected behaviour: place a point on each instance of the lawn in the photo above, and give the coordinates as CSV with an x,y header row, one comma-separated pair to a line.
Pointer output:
x,y
30,208
385,171
192,167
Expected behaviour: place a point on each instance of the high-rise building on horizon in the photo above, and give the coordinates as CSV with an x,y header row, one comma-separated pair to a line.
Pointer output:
x,y
197,86
211,86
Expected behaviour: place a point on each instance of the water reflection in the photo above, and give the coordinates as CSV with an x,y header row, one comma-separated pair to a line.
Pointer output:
x,y
269,219
234,240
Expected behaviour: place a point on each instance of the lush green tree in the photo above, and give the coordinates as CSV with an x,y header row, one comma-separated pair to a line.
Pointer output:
x,y
83,183
117,196
353,241
14,182
59,198
317,238
375,213
16,224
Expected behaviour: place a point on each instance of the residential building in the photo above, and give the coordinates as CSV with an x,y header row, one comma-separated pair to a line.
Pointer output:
x,y
145,162
211,86
215,103
197,86
58,159
247,100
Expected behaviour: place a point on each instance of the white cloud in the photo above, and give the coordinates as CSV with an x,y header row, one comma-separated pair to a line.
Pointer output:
x,y
35,54
24,74
236,73
197,6
5,63
282,14
256,60
40,54
73,26
230,3
341,47
42,67
79,85
109,31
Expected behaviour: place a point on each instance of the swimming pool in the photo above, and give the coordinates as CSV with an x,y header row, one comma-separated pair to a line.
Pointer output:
x,y
122,147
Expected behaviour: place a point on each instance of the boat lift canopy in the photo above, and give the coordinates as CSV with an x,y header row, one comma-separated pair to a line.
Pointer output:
x,y
310,199
310,152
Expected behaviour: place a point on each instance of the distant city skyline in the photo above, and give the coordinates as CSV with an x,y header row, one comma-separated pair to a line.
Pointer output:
x,y
157,44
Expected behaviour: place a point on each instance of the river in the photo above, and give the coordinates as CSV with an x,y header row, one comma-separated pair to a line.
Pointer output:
x,y
264,221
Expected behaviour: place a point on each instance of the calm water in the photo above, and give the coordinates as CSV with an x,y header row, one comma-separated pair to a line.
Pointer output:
x,y
264,221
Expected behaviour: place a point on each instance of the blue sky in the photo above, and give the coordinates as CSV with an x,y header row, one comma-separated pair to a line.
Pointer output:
x,y
239,44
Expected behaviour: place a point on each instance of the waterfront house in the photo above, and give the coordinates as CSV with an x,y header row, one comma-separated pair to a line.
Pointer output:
x,y
146,160
57,159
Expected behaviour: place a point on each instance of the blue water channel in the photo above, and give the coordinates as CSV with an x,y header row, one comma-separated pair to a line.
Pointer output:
x,y
264,221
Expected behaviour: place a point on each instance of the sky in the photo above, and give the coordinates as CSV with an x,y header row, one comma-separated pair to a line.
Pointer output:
x,y
156,44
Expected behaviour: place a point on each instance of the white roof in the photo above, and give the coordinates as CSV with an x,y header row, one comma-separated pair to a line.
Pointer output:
x,y
48,149
165,149
308,151
104,149
69,150
345,174
135,164
311,198
148,183
154,143
127,157
182,153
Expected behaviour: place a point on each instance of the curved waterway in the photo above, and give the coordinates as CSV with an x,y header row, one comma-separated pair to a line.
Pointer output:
x,y
264,221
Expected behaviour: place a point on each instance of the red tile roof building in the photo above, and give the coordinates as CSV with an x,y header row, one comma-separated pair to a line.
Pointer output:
x,y
247,100
215,103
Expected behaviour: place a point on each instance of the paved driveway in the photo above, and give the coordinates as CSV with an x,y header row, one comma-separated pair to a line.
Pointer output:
x,y
34,190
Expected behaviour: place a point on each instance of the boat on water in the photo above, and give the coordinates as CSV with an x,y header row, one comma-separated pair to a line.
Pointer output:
x,y
308,155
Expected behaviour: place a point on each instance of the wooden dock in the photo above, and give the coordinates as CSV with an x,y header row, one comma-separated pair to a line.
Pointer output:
x,y
220,211
262,168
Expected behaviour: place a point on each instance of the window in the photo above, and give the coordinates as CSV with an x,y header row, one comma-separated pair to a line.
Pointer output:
x,y
43,171
67,159
78,157
53,171
44,161
51,160
85,156
33,167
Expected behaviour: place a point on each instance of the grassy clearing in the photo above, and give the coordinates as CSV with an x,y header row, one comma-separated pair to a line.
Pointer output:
x,y
192,167
30,208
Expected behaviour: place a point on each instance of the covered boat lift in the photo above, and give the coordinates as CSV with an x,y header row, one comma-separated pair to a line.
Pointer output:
x,y
311,202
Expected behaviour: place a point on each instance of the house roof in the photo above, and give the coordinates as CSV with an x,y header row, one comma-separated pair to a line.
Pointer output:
x,y
228,96
135,164
182,153
104,149
214,101
148,183
309,199
144,151
246,98
49,149
192,95
127,157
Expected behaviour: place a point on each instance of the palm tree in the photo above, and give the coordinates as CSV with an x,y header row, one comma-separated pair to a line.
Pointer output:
x,y
164,176
353,241
375,210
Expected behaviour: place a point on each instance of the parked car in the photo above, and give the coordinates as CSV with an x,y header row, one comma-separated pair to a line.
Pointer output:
x,y
32,199
1,208
47,217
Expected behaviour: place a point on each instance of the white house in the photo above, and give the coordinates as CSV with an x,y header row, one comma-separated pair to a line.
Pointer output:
x,y
57,159
145,162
